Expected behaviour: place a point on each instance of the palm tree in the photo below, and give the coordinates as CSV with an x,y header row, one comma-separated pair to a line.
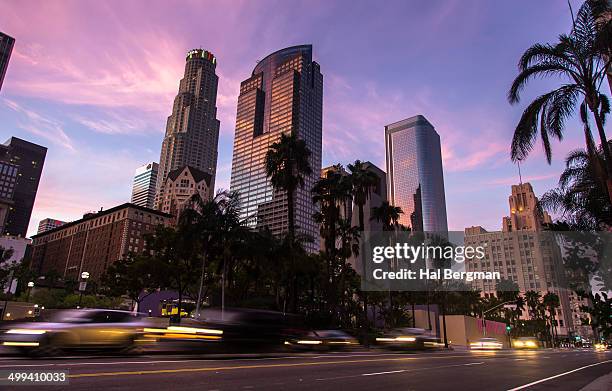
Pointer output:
x,y
580,198
580,59
331,194
388,215
363,181
287,164
532,298
551,302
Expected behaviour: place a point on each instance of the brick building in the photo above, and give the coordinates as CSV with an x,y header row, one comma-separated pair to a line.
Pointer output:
x,y
92,243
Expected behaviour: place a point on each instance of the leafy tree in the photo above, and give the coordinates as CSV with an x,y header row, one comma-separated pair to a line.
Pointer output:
x,y
129,276
171,257
5,267
600,311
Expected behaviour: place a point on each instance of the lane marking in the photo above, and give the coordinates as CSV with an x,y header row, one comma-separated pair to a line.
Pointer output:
x,y
229,368
420,369
559,375
412,357
400,371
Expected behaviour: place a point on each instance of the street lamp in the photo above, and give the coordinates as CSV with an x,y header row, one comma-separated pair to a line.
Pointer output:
x,y
30,286
82,286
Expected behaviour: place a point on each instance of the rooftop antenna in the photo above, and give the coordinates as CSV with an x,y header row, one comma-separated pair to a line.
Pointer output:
x,y
518,163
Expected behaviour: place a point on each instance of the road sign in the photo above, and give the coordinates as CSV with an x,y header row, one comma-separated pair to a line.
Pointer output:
x,y
82,286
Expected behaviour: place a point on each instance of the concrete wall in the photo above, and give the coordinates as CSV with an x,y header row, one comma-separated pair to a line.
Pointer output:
x,y
462,330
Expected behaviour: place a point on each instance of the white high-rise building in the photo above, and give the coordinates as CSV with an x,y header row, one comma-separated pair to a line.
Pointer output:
x,y
145,182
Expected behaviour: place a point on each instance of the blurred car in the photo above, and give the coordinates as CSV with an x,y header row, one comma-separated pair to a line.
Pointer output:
x,y
408,338
526,343
486,344
321,339
601,346
78,329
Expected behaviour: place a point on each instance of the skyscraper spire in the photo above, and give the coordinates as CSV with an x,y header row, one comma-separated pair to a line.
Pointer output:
x,y
192,130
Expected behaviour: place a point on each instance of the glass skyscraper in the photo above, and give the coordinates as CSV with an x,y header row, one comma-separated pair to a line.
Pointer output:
x,y
145,181
192,130
415,181
283,95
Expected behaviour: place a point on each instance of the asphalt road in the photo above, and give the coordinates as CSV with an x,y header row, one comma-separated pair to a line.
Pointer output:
x,y
379,370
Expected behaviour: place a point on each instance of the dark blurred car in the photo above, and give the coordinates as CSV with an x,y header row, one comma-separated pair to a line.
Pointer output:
x,y
77,329
409,338
526,343
322,340
486,344
244,330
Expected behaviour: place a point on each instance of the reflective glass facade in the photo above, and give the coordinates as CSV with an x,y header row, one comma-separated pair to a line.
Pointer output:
x,y
283,95
192,130
415,180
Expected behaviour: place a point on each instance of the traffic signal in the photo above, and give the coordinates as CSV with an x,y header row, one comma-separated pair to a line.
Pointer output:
x,y
508,328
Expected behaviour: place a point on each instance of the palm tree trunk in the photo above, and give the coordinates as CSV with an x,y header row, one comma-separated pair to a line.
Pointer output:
x,y
444,324
365,294
197,313
290,216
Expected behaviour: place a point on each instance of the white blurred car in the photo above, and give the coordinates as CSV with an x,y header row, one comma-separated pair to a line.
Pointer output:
x,y
486,344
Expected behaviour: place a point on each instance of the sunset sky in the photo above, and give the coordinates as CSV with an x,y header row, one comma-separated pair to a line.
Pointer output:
x,y
94,82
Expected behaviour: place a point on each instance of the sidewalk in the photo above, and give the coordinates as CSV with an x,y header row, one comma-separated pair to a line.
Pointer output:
x,y
603,383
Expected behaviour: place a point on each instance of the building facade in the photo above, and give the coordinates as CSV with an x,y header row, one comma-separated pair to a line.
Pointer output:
x,y
49,224
6,48
192,130
283,95
144,186
8,181
20,248
415,179
522,253
29,159
179,188
92,243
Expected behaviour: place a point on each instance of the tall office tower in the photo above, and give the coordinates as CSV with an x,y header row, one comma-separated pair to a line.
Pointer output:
x,y
29,159
523,254
145,182
283,95
524,211
6,47
48,224
415,181
192,130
